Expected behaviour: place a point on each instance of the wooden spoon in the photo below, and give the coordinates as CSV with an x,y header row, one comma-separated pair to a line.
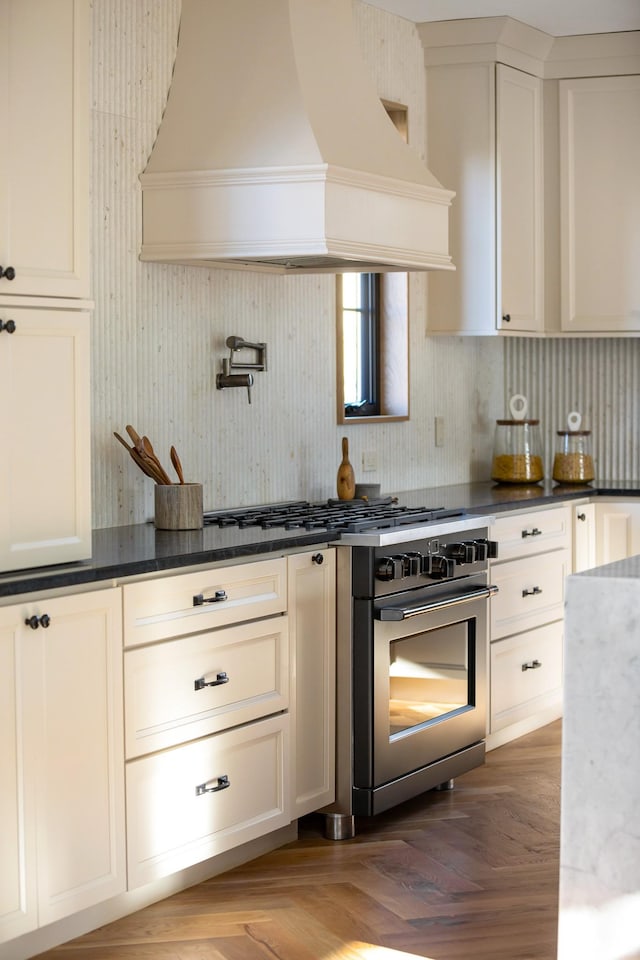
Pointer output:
x,y
175,460
149,452
146,467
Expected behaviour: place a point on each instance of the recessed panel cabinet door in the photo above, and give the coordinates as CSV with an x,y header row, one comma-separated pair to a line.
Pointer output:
x,y
44,157
600,204
18,895
45,509
62,830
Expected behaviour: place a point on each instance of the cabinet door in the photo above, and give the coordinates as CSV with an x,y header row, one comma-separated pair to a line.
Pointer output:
x,y
520,201
72,700
584,536
18,898
44,161
45,472
617,531
312,624
600,203
485,142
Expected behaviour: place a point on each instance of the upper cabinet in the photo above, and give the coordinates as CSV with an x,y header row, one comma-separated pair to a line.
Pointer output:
x,y
485,131
600,204
540,139
44,156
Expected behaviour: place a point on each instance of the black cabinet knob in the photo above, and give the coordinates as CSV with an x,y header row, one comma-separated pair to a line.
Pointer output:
x,y
506,318
7,272
34,621
317,558
9,326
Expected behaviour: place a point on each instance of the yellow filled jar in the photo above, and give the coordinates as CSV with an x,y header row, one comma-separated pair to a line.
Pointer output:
x,y
573,462
516,450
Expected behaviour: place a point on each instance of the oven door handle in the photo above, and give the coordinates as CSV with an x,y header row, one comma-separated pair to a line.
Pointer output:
x,y
403,613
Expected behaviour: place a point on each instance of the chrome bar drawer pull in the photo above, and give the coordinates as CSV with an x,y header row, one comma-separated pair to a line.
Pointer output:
x,y
201,682
218,597
532,593
213,786
533,665
531,533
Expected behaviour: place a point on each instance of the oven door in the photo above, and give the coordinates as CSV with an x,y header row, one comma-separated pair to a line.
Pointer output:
x,y
420,685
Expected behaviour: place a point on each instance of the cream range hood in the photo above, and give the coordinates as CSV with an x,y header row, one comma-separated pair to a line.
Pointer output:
x,y
275,154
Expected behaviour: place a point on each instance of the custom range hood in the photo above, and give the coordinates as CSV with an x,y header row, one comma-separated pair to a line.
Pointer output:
x,y
275,154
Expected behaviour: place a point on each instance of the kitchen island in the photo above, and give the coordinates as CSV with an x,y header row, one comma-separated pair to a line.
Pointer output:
x,y
600,816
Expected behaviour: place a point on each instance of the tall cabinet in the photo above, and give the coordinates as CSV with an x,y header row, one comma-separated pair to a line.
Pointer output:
x,y
45,516
484,140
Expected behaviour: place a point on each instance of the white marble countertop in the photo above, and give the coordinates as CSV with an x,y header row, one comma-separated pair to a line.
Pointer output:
x,y
600,805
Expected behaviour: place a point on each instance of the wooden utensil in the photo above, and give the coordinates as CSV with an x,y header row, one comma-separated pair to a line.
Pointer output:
x,y
346,481
150,454
175,460
146,467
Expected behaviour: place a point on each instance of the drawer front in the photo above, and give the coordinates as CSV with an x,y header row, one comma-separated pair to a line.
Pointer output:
x,y
530,593
522,535
518,693
170,606
173,823
182,689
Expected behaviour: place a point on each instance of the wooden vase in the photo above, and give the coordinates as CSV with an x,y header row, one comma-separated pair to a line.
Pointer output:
x,y
346,481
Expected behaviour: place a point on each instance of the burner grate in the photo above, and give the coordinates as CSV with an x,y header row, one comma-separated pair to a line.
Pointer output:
x,y
348,516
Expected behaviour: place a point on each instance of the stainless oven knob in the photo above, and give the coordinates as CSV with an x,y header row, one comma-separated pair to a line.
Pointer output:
x,y
492,548
482,549
389,568
412,564
442,567
461,552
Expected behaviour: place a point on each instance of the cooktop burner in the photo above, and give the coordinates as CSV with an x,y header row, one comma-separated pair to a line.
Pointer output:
x,y
345,516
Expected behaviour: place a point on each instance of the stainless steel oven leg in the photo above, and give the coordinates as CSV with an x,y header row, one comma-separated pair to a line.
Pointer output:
x,y
339,826
447,785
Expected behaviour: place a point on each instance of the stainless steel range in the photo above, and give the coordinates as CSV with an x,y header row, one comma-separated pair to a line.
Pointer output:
x,y
411,645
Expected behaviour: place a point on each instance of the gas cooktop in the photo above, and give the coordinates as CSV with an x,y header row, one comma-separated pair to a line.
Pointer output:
x,y
340,516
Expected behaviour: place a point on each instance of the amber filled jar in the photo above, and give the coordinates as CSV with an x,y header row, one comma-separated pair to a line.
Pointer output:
x,y
516,450
573,462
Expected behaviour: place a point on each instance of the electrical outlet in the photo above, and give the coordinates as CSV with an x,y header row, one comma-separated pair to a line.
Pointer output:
x,y
369,461
439,431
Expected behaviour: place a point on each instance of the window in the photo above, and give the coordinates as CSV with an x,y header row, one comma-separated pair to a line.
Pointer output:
x,y
373,347
360,337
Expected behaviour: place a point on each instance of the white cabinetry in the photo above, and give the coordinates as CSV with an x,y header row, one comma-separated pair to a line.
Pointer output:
x,y
584,536
600,204
45,515
485,141
617,529
312,619
44,149
61,758
45,509
206,714
534,558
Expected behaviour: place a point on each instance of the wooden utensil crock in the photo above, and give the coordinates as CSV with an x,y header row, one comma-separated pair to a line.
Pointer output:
x,y
346,481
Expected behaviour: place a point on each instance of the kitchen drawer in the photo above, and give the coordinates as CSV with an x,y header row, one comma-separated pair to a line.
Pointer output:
x,y
521,535
530,592
518,693
170,825
165,703
168,606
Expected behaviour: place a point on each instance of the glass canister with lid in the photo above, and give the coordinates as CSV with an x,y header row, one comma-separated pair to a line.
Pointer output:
x,y
516,452
573,462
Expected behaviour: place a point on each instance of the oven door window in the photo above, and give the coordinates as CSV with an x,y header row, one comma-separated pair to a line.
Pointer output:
x,y
430,678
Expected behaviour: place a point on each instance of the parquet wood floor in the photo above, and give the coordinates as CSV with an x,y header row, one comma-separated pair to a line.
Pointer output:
x,y
470,874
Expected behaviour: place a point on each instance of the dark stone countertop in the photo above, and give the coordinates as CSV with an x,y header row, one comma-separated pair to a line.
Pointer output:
x,y
129,551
